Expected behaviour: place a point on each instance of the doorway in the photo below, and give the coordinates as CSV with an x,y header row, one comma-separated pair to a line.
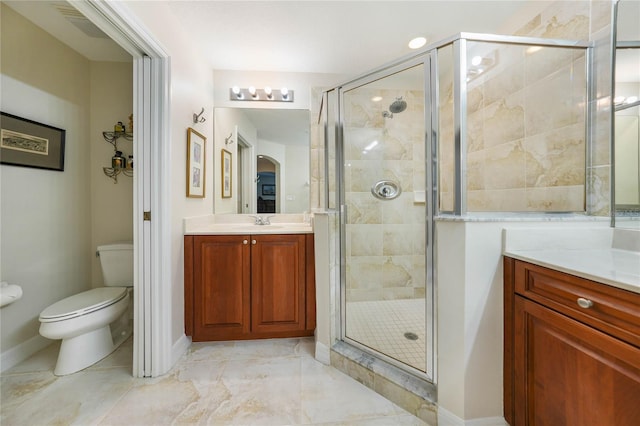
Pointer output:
x,y
267,195
152,343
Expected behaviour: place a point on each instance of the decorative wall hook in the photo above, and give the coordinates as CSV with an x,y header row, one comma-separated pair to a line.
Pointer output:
x,y
197,119
228,141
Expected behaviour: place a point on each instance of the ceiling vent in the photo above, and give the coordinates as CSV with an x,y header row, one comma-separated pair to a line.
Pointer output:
x,y
79,21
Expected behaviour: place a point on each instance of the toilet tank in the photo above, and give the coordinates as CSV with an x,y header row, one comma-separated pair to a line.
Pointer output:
x,y
116,261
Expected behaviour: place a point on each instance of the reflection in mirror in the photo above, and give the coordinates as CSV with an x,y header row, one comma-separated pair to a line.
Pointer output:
x,y
627,115
272,153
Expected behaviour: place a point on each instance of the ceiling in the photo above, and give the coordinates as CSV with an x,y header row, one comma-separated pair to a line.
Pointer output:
x,y
338,37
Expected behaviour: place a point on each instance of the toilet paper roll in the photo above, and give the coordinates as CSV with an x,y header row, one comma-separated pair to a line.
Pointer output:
x,y
9,293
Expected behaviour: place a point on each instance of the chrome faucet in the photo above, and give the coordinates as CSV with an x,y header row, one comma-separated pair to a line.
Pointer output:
x,y
259,220
266,220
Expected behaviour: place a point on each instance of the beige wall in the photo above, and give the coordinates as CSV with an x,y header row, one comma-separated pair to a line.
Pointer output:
x,y
111,203
45,214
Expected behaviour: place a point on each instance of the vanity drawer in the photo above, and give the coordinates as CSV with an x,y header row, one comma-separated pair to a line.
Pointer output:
x,y
609,309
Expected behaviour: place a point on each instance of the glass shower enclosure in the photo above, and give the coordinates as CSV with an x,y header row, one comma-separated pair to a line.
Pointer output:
x,y
474,124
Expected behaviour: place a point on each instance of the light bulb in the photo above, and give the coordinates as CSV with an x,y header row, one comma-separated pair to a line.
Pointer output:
x,y
235,90
476,60
252,91
267,90
285,92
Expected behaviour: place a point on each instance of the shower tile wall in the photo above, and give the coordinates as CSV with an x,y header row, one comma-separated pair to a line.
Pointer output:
x,y
526,120
385,239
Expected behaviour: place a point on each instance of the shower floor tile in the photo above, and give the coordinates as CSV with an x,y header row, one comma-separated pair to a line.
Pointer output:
x,y
382,324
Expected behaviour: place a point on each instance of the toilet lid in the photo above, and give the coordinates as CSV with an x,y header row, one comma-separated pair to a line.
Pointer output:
x,y
84,303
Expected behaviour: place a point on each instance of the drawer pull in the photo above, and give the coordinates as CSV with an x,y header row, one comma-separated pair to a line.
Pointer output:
x,y
253,242
584,303
245,242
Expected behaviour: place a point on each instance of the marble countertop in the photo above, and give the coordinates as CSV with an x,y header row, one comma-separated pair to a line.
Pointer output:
x,y
606,255
244,224
615,267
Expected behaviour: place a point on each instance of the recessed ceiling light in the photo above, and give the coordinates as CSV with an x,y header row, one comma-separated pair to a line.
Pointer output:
x,y
376,98
417,42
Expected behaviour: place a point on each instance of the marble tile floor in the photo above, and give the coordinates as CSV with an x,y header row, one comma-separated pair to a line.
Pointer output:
x,y
258,382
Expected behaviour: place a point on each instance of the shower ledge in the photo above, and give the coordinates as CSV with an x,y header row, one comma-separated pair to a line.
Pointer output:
x,y
242,224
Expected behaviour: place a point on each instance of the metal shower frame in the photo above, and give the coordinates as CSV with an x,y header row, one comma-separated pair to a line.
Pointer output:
x,y
428,57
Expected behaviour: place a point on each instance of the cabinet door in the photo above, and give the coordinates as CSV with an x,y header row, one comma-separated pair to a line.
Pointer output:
x,y
278,283
221,287
567,373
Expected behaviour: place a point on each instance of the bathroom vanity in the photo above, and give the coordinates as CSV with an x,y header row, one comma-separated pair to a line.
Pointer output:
x,y
572,337
247,281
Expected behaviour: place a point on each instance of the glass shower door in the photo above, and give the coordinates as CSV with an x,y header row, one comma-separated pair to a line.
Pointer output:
x,y
384,232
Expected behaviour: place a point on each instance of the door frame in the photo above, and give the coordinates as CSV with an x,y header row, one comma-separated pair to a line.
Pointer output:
x,y
152,346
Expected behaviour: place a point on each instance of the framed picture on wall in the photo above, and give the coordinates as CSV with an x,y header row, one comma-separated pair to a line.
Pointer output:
x,y
28,143
195,164
226,174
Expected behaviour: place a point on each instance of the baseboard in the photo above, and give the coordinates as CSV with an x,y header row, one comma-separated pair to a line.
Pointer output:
x,y
447,418
24,350
179,348
487,421
323,353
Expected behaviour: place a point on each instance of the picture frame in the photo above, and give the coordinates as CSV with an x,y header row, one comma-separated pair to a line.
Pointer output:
x,y
227,180
268,189
196,164
27,143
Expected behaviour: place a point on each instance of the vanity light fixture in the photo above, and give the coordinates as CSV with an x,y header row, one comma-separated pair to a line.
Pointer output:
x,y
254,94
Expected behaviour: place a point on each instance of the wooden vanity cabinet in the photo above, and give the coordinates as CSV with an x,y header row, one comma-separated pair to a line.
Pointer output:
x,y
249,286
569,361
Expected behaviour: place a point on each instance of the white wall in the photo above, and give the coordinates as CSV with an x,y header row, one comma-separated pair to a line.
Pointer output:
x,y
191,89
470,309
111,204
45,214
295,193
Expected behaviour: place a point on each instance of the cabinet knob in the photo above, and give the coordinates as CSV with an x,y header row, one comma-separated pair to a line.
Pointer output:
x,y
245,242
253,242
584,303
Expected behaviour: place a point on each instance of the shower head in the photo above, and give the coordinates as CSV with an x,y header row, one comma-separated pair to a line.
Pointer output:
x,y
398,105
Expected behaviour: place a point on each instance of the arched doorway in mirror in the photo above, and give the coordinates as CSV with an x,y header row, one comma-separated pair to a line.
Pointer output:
x,y
267,188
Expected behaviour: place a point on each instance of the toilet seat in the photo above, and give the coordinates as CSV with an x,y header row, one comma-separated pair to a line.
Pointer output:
x,y
83,303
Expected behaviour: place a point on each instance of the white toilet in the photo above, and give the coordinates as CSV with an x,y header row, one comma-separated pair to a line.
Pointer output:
x,y
92,324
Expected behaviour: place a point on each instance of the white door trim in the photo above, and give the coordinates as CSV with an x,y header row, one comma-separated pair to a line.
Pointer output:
x,y
152,240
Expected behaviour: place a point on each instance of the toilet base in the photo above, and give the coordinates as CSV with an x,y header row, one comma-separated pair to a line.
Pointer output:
x,y
78,353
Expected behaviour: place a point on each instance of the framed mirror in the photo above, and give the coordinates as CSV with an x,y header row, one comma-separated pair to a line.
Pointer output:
x,y
627,115
271,151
